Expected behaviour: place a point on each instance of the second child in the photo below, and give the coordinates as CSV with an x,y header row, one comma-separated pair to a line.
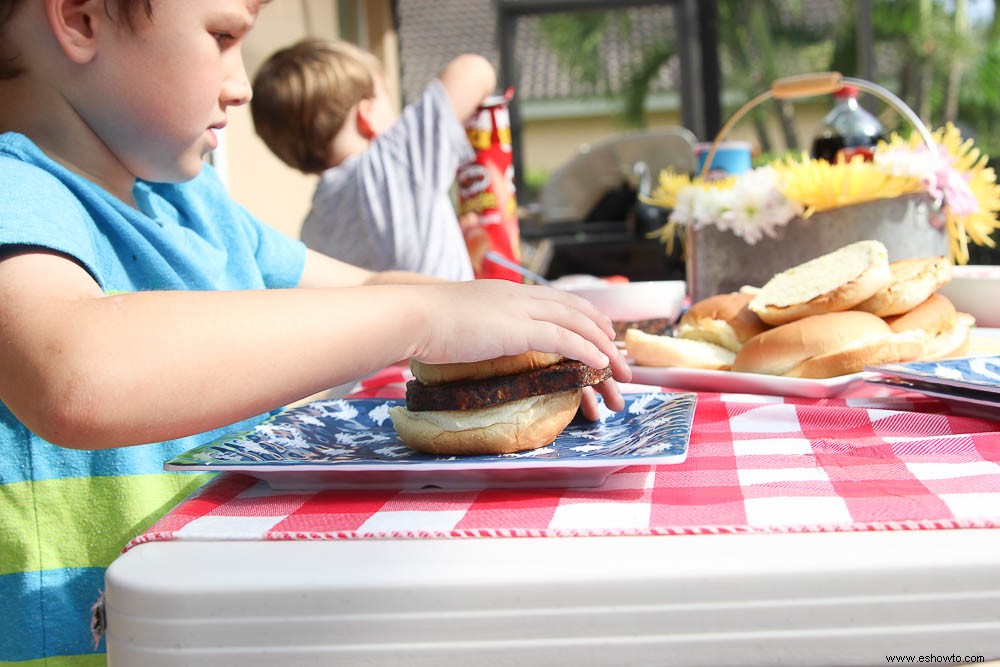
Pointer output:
x,y
383,199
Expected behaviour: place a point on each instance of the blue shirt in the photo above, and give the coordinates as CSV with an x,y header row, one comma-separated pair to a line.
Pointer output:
x,y
65,514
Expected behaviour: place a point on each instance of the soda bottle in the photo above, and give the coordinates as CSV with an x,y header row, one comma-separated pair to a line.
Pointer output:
x,y
848,130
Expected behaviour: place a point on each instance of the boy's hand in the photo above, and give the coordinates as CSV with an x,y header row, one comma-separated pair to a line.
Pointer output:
x,y
492,318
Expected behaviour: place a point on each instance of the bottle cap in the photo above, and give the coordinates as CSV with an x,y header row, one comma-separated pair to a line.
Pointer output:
x,y
846,91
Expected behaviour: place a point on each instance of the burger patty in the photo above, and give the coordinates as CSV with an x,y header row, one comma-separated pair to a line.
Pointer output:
x,y
473,394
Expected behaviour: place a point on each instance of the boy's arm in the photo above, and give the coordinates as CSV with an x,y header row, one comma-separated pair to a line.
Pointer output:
x,y
90,371
468,80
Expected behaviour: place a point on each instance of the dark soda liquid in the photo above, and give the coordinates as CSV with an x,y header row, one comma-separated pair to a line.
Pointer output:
x,y
828,148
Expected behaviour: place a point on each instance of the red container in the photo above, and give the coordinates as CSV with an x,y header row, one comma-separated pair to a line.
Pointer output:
x,y
486,188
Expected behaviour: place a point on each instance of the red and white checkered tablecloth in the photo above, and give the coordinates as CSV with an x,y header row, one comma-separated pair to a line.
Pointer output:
x,y
755,464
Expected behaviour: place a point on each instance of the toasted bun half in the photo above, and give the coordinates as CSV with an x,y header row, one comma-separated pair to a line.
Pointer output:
x,y
724,320
830,283
822,346
516,426
913,281
432,374
667,351
945,331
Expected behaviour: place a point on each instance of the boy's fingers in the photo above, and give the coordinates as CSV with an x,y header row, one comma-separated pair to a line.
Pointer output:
x,y
612,394
588,405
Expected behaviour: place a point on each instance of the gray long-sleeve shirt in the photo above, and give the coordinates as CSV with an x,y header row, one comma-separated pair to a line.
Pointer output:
x,y
389,208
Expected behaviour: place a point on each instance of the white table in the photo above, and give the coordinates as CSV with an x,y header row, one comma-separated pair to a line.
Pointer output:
x,y
849,598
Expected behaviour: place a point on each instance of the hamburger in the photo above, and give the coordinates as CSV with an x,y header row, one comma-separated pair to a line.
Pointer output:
x,y
498,406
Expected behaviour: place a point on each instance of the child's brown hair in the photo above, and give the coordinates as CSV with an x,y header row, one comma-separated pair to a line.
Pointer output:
x,y
10,68
302,95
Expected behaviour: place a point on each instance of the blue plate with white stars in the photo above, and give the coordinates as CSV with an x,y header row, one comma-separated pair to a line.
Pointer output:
x,y
978,374
351,443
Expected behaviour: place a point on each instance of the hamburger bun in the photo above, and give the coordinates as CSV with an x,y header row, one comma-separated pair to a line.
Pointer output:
x,y
830,283
506,428
827,345
497,406
946,331
724,320
666,351
913,281
432,374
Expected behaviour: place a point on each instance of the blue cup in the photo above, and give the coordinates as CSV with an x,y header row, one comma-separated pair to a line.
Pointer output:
x,y
731,157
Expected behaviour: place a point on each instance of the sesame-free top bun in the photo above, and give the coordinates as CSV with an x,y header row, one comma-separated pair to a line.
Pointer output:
x,y
833,282
723,319
946,331
515,426
913,280
827,345
667,351
432,374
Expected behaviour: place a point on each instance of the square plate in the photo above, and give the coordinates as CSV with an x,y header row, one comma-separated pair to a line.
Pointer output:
x,y
351,443
980,374
963,402
744,383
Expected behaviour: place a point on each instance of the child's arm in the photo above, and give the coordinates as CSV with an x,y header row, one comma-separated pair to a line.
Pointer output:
x,y
89,371
468,80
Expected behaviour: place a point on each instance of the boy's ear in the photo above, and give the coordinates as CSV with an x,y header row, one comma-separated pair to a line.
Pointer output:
x,y
363,118
73,26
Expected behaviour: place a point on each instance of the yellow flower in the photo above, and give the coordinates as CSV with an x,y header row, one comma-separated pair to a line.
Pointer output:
x,y
670,183
955,175
820,186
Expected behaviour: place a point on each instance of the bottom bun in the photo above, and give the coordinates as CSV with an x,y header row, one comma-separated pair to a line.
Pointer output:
x,y
666,351
952,341
854,359
516,426
946,331
823,346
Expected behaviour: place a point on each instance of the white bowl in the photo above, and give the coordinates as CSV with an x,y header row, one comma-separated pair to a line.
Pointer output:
x,y
634,301
975,289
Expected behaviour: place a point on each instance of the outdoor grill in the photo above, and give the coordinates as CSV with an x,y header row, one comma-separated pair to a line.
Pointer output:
x,y
590,218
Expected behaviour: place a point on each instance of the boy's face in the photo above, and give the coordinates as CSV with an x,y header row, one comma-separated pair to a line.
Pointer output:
x,y
158,95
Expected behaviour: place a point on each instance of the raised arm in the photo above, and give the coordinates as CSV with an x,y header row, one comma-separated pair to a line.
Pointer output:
x,y
90,371
468,80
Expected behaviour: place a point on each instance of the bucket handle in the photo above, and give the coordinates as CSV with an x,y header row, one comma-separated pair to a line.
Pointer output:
x,y
809,85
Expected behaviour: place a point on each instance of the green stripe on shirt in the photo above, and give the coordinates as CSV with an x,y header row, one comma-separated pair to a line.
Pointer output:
x,y
82,521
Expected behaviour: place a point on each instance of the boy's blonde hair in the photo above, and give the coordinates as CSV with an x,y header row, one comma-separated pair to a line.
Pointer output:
x,y
302,95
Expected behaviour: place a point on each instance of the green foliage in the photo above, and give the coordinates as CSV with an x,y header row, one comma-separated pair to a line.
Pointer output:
x,y
762,40
576,40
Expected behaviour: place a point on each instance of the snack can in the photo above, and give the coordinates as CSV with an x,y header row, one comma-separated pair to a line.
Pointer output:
x,y
486,188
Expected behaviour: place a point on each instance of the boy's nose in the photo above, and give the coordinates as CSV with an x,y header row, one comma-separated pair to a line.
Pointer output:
x,y
236,89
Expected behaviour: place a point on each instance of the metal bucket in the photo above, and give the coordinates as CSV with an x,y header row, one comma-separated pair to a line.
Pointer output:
x,y
909,226
719,261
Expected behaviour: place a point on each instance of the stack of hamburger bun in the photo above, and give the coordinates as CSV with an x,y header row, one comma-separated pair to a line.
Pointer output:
x,y
830,316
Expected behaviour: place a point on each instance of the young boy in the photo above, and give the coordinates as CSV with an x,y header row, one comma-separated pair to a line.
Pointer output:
x,y
139,304
382,201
